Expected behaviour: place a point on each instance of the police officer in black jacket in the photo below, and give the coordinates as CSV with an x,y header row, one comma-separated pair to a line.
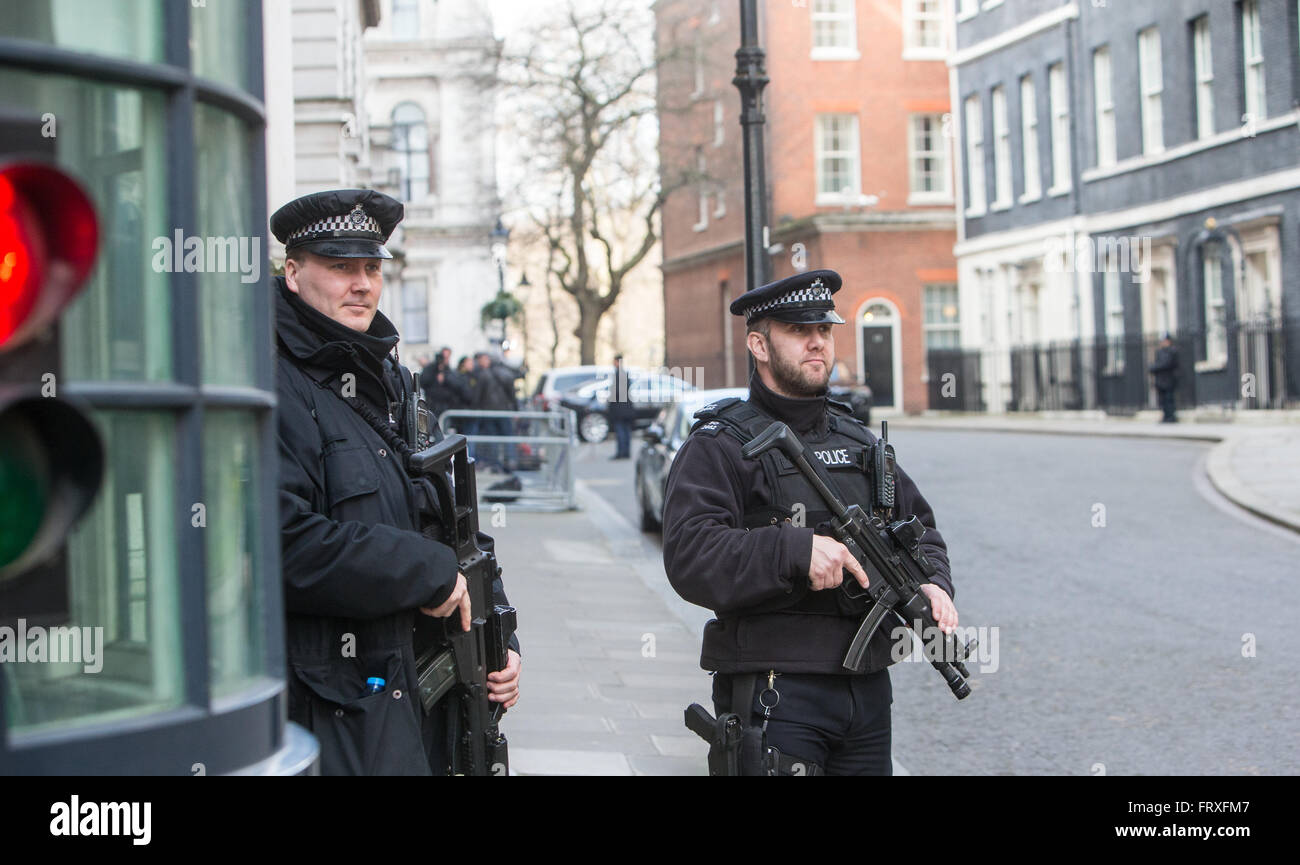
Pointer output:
x,y
356,570
747,539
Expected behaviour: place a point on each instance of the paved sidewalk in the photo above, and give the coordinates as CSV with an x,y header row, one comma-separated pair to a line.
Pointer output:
x,y
610,654
1255,463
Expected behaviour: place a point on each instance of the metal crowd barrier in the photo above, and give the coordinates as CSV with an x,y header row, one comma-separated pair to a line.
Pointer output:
x,y
539,460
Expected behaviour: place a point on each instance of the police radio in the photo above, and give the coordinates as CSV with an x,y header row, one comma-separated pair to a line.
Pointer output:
x,y
883,472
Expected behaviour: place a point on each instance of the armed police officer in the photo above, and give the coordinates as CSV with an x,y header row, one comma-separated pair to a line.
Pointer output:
x,y
747,538
356,568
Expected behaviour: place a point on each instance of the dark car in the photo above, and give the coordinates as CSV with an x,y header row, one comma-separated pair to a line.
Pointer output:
x,y
845,389
648,393
662,439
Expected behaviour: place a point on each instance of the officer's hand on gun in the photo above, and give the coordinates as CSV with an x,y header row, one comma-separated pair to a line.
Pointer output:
x,y
945,613
830,559
503,685
459,597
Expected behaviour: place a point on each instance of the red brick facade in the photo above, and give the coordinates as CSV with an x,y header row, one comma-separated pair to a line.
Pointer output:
x,y
887,250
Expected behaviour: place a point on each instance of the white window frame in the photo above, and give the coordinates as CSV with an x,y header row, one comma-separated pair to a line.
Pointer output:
x,y
1214,309
1252,55
967,9
720,209
702,191
841,13
719,130
1203,59
943,326
940,155
1103,96
1002,185
913,18
697,60
1059,97
1113,318
1151,82
820,154
973,121
1029,140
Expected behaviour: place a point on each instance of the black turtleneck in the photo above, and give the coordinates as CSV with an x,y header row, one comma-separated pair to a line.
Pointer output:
x,y
804,415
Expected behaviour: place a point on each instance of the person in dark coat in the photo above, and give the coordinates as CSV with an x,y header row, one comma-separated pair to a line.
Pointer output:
x,y
356,571
621,410
1165,372
749,539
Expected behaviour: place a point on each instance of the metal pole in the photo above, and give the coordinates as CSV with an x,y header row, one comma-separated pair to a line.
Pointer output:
x,y
750,80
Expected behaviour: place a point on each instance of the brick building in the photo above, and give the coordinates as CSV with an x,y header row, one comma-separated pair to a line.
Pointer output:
x,y
859,180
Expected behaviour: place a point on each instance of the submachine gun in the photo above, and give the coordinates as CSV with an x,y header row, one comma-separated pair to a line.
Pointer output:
x,y
888,549
449,662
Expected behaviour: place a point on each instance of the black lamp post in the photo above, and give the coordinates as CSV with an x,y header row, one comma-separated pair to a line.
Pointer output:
x,y
751,78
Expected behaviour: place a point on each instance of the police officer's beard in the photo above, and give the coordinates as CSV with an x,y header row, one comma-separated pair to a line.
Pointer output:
x,y
794,378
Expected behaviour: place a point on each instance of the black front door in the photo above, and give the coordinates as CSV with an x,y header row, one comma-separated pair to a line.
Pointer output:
x,y
878,361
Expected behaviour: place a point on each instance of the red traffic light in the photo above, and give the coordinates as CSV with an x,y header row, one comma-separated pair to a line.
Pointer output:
x,y
48,238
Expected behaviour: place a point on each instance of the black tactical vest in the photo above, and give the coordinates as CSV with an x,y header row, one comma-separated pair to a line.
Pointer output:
x,y
846,455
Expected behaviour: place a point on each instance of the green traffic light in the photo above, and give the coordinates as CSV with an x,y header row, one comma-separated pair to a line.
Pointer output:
x,y
24,490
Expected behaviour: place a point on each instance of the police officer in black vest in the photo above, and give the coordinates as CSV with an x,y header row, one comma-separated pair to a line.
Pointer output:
x,y
357,571
747,539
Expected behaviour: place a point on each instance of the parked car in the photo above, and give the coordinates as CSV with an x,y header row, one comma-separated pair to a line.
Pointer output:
x,y
845,389
662,439
554,382
649,393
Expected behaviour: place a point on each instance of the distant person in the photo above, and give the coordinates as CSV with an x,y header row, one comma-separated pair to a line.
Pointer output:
x,y
621,411
1165,371
492,391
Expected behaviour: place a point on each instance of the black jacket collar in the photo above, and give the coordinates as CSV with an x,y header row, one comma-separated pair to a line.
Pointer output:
x,y
804,415
327,348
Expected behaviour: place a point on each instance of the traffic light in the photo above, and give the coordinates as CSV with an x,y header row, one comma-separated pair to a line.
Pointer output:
x,y
51,457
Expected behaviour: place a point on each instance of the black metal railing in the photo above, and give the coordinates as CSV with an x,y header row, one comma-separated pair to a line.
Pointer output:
x,y
1246,364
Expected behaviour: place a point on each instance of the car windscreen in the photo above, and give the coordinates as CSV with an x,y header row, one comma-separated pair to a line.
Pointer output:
x,y
569,380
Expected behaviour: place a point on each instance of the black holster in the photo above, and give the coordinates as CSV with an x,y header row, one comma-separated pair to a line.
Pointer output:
x,y
737,747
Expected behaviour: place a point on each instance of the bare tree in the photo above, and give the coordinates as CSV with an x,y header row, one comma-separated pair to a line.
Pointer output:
x,y
581,97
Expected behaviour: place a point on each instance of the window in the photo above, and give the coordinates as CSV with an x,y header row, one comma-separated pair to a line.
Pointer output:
x,y
1114,320
411,144
697,60
1151,82
1253,56
834,30
942,317
702,190
406,19
975,157
1105,107
968,8
1001,151
836,146
1029,139
923,29
1204,63
719,133
415,311
928,157
1216,318
1060,98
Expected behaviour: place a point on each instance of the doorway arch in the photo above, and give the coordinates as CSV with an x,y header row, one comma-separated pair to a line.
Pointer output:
x,y
880,352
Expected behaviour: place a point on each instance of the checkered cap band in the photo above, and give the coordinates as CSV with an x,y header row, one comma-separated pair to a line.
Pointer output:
x,y
355,222
817,292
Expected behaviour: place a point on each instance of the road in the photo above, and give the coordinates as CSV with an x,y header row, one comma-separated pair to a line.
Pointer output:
x,y
1141,623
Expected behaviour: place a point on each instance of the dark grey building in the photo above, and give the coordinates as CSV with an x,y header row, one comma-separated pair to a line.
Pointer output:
x,y
1125,169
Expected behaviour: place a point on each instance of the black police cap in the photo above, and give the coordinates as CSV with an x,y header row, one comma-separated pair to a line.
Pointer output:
x,y
804,298
340,223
